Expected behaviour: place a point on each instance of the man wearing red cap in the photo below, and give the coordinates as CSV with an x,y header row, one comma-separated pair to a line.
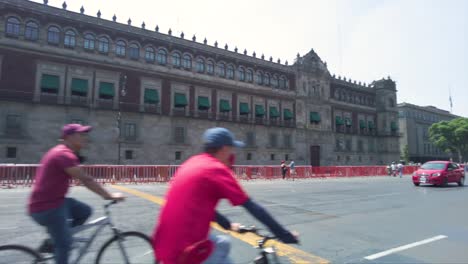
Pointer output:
x,y
47,203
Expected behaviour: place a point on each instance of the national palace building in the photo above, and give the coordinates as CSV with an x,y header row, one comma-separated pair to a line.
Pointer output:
x,y
150,95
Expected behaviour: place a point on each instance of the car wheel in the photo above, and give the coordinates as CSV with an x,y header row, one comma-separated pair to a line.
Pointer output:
x,y
444,182
416,183
461,182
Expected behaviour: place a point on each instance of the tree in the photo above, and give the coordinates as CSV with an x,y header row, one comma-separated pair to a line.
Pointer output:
x,y
451,136
405,154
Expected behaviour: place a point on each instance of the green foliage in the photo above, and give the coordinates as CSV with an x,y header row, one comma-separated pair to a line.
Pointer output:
x,y
451,136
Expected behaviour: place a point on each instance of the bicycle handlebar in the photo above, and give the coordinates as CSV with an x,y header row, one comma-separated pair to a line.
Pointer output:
x,y
110,203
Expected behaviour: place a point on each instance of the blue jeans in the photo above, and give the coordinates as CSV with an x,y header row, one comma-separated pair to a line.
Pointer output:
x,y
220,255
58,222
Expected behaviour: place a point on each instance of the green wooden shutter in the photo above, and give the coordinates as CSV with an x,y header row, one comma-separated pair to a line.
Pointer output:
x,y
50,82
224,106
259,111
106,89
180,100
151,96
287,114
79,85
244,109
314,117
274,112
203,103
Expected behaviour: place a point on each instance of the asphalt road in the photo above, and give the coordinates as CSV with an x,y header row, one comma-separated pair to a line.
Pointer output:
x,y
356,220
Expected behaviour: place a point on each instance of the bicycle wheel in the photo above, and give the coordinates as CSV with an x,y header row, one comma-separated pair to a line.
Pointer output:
x,y
18,254
128,247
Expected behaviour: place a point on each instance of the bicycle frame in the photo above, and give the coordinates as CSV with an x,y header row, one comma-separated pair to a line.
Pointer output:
x,y
100,223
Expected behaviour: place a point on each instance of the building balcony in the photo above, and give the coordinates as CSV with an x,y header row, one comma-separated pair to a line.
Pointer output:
x,y
79,100
49,98
150,108
105,104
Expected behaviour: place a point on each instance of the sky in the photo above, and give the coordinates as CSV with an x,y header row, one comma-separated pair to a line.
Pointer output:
x,y
421,44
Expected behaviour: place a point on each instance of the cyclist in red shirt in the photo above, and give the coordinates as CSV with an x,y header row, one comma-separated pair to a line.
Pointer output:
x,y
197,187
47,203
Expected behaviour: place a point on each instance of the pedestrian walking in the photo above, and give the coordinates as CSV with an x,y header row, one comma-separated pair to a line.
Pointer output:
x,y
292,169
284,169
400,168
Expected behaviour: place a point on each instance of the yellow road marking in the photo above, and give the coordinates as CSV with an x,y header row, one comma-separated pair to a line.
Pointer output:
x,y
293,254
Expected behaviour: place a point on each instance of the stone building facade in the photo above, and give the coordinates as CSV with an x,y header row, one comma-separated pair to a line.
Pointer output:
x,y
414,122
150,95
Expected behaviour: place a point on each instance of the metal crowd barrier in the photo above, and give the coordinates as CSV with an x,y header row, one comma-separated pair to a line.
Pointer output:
x,y
23,175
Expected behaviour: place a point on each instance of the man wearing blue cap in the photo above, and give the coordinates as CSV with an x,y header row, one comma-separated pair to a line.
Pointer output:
x,y
197,187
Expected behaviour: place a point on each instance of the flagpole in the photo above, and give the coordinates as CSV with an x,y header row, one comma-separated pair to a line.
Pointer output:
x,y
450,100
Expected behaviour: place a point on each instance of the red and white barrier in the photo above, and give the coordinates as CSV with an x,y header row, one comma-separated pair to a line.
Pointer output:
x,y
23,175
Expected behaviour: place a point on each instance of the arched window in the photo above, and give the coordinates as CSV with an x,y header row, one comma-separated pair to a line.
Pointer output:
x,y
282,82
162,57
200,65
134,51
176,61
230,72
12,27
249,75
266,79
103,46
259,78
241,74
31,32
150,54
53,35
210,67
187,61
89,41
274,81
221,70
70,39
120,48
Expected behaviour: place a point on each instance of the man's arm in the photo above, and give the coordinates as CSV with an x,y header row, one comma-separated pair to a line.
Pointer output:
x,y
263,216
223,221
88,181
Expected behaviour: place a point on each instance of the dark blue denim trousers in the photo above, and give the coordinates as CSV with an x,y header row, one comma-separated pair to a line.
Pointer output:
x,y
58,222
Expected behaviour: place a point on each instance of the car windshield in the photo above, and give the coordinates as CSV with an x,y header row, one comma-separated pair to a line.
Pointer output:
x,y
433,166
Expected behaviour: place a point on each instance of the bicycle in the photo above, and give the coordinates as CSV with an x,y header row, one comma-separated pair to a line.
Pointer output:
x,y
267,255
130,246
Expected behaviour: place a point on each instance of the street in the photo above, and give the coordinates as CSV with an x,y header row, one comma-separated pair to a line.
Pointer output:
x,y
354,220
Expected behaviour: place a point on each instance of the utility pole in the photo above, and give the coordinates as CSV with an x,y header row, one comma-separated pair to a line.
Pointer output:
x,y
123,92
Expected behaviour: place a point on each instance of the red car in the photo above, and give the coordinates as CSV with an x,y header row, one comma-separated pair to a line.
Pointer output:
x,y
439,173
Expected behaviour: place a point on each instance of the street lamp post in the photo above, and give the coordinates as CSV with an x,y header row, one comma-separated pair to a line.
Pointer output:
x,y
123,92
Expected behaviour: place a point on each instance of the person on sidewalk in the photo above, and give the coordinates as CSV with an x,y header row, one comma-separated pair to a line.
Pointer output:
x,y
284,169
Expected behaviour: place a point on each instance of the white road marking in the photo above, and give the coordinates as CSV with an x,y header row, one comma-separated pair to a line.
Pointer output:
x,y
405,247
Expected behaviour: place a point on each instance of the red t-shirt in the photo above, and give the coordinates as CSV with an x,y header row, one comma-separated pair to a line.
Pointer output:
x,y
198,185
51,181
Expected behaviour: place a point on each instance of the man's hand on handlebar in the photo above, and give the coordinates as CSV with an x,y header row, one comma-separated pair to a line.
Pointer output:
x,y
116,197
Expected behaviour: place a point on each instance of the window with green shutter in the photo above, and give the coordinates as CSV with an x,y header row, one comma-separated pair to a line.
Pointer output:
x,y
259,111
370,125
203,103
224,106
393,126
339,121
50,83
348,122
180,100
79,87
362,124
151,96
287,114
244,109
106,90
314,117
274,112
